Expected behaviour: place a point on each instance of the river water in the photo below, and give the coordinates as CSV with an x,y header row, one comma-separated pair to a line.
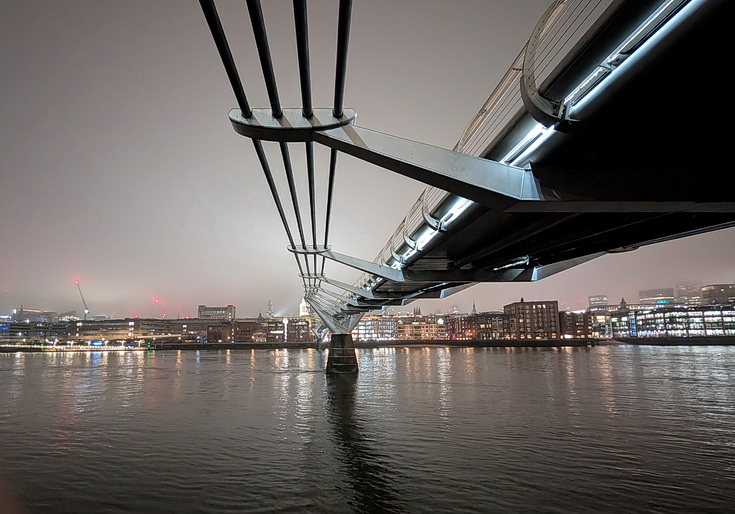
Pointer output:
x,y
602,429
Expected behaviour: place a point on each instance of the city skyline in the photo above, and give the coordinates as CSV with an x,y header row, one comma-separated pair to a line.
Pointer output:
x,y
161,311
120,168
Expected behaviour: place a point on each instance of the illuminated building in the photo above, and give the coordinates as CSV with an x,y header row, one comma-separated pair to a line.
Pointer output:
x,y
622,321
218,313
577,324
484,326
298,330
656,296
718,294
31,332
261,330
190,329
239,331
33,315
600,323
305,309
712,321
688,294
420,328
532,320
122,329
598,302
375,328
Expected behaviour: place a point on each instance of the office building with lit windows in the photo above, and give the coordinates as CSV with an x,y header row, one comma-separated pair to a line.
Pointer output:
x,y
123,330
375,328
261,330
576,324
704,321
420,328
482,326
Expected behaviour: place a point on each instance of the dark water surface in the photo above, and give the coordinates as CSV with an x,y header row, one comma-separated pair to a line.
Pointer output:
x,y
602,429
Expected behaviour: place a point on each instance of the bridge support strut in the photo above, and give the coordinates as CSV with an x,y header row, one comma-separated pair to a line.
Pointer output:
x,y
342,357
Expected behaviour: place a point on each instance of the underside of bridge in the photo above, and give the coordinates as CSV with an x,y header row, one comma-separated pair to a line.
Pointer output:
x,y
636,161
644,165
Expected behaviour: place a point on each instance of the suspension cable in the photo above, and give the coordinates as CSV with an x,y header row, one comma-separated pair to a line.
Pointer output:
x,y
220,40
343,40
302,43
330,194
276,198
261,41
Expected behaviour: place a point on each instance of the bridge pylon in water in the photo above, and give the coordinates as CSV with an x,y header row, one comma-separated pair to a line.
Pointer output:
x,y
342,358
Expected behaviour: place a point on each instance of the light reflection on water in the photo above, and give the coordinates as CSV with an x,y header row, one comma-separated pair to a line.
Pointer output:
x,y
609,428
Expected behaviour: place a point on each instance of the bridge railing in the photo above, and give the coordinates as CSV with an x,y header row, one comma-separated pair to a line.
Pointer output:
x,y
498,114
564,25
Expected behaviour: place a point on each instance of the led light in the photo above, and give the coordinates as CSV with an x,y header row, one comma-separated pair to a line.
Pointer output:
x,y
409,253
426,237
581,93
543,135
530,137
457,209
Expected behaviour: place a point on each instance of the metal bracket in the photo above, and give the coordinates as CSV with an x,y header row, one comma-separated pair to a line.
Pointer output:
x,y
409,242
434,223
291,127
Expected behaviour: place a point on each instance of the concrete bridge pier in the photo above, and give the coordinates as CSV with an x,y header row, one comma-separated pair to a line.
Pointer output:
x,y
342,357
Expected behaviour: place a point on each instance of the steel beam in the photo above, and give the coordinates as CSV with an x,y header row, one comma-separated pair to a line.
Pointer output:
x,y
346,299
408,275
358,291
497,186
543,271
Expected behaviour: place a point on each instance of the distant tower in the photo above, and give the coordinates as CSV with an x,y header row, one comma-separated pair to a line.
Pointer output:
x,y
269,309
304,308
474,309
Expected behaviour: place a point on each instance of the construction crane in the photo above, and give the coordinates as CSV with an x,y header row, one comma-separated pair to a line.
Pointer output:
x,y
86,310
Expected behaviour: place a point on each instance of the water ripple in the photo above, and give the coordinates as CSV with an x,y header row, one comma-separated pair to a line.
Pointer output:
x,y
607,429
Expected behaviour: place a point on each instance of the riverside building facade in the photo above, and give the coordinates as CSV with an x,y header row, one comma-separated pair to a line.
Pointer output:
x,y
532,320
702,321
262,330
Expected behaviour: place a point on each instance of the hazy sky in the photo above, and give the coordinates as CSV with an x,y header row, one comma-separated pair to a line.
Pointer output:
x,y
119,167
